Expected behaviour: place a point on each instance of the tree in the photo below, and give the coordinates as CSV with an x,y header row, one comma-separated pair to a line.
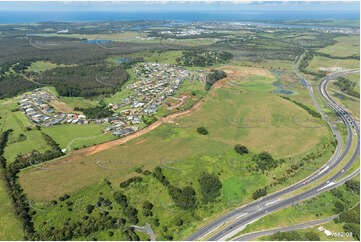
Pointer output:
x,y
202,130
147,205
312,236
241,149
259,193
286,236
89,208
210,186
120,198
265,161
353,186
354,229
147,208
184,198
339,207
179,222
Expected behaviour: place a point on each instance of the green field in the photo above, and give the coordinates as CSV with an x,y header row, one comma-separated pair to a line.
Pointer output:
x,y
40,66
78,135
152,56
345,46
18,123
10,226
319,62
183,155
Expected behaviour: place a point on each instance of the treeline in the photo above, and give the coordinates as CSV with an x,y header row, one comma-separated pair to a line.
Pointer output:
x,y
347,86
15,191
85,80
21,205
12,84
308,109
351,218
202,58
295,236
213,76
304,64
355,57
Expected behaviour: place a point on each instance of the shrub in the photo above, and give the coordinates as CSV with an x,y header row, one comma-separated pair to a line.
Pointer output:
x,y
202,131
210,186
241,149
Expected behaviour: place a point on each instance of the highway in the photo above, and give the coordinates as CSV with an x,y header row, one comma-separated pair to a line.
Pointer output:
x,y
240,217
247,237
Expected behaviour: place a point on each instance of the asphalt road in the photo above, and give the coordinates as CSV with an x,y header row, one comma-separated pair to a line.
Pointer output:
x,y
261,207
253,235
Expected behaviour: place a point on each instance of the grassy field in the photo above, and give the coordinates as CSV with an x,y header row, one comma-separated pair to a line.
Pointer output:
x,y
40,66
18,123
245,113
152,56
78,135
345,46
10,226
319,62
222,113
79,102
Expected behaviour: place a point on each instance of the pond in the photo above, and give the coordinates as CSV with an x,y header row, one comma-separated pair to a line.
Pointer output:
x,y
121,60
94,41
278,84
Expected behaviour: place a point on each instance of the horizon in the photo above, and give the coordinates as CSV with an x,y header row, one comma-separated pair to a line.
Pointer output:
x,y
23,12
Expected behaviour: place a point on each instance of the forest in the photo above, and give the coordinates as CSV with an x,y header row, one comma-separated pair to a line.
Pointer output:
x,y
85,80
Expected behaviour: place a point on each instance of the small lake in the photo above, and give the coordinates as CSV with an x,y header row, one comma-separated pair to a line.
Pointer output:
x,y
94,41
121,60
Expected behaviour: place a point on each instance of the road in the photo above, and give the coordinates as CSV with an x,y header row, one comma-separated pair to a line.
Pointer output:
x,y
253,211
248,237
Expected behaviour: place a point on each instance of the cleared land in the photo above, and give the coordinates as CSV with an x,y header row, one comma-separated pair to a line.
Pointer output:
x,y
345,46
224,110
328,64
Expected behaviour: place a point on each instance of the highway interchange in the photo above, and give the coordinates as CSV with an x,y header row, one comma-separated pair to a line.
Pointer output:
x,y
236,220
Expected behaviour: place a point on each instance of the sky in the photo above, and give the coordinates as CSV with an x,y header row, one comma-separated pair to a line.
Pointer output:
x,y
25,12
173,6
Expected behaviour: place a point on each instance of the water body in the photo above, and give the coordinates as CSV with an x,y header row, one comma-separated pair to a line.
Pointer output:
x,y
121,60
26,12
94,41
278,84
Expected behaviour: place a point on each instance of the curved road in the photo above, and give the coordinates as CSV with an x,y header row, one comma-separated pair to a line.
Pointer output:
x,y
248,237
257,209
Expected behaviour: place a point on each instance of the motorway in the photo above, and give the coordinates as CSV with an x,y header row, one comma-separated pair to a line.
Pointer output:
x,y
240,217
248,237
